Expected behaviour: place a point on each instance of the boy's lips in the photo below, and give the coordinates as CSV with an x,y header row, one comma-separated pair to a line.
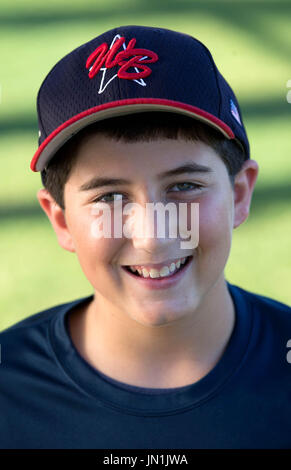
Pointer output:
x,y
157,265
161,282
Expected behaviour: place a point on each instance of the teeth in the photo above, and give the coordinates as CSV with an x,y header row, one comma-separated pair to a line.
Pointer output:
x,y
172,267
155,273
145,272
164,271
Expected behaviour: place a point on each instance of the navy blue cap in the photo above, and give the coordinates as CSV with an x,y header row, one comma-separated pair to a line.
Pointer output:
x,y
133,69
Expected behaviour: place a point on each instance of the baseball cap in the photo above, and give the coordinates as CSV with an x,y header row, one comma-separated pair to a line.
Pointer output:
x,y
133,69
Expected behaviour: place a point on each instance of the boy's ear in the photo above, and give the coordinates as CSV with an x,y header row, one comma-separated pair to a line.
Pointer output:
x,y
244,184
57,218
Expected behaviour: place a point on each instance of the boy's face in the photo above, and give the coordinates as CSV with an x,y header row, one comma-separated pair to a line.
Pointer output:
x,y
221,208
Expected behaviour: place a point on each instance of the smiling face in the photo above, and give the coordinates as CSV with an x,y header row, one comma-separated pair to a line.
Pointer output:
x,y
221,208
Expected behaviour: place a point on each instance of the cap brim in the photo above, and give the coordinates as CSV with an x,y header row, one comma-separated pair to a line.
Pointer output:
x,y
118,108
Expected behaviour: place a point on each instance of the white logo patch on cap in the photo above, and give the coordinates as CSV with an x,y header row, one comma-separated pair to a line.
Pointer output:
x,y
234,112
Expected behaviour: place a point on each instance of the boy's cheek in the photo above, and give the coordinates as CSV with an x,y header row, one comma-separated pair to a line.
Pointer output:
x,y
215,221
95,254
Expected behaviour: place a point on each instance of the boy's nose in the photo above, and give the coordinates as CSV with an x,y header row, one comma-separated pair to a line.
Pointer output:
x,y
156,228
154,231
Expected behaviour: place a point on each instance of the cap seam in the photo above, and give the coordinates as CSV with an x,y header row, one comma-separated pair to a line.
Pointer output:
x,y
217,81
213,67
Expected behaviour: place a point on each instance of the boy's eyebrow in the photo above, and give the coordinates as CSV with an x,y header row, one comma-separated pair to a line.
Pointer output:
x,y
188,167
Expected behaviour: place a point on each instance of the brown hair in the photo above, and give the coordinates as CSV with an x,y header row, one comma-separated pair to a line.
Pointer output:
x,y
140,127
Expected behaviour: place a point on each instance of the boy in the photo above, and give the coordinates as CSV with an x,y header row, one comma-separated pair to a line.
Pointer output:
x,y
165,353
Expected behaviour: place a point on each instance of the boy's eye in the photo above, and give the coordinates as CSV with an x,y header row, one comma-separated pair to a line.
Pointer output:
x,y
113,196
194,186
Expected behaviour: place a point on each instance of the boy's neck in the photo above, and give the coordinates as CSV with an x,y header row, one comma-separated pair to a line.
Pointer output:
x,y
171,357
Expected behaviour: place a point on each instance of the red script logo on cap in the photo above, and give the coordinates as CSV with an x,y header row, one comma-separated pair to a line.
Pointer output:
x,y
105,56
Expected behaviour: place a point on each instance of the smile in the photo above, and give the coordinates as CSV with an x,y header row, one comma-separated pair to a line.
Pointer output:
x,y
169,276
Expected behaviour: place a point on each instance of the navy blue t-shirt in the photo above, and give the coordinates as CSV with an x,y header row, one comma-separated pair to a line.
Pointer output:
x,y
51,398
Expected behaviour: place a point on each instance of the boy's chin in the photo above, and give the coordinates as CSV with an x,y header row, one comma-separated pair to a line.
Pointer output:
x,y
162,315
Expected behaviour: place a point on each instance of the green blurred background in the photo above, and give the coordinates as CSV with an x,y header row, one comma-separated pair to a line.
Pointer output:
x,y
251,45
